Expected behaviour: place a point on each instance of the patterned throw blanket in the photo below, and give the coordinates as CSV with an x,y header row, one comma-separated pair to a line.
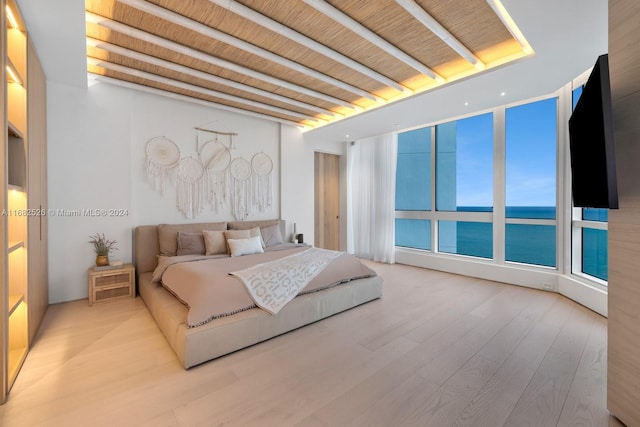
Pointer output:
x,y
273,284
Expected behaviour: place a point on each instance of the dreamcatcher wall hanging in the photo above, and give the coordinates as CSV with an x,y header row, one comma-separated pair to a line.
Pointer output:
x,y
190,188
216,159
211,177
240,186
262,166
163,156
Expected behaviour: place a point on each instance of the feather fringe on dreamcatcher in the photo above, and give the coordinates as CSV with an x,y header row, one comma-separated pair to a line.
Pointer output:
x,y
262,184
190,188
162,158
216,159
240,172
217,189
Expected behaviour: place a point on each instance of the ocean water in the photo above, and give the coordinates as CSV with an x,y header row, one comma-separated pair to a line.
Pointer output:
x,y
528,244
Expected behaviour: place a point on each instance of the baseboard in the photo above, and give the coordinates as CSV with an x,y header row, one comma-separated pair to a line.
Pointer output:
x,y
514,274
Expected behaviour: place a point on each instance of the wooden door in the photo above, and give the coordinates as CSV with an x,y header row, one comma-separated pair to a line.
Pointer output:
x,y
327,201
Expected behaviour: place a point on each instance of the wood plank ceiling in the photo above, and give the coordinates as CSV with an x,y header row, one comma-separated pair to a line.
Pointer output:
x,y
305,62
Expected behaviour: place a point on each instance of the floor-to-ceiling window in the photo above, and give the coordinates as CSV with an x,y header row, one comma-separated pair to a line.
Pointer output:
x,y
413,188
486,186
531,140
451,209
489,194
464,183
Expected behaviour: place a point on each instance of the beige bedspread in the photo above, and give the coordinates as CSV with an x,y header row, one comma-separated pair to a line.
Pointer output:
x,y
206,287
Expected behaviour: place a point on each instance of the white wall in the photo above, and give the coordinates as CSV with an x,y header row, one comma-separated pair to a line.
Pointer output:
x,y
96,144
297,160
159,116
88,168
297,201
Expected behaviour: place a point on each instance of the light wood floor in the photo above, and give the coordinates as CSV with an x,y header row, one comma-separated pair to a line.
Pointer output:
x,y
436,350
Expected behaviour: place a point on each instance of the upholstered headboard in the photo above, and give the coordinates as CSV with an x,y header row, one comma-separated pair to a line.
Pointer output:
x,y
146,243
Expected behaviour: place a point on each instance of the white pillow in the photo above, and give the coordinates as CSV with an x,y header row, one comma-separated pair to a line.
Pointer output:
x,y
251,245
255,231
235,234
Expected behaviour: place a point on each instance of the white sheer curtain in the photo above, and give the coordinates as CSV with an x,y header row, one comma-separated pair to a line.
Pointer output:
x,y
371,175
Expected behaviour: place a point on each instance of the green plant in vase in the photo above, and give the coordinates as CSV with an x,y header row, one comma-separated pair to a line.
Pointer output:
x,y
102,247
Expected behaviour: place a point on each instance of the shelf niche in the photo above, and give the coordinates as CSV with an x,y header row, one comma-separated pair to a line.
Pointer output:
x,y
17,160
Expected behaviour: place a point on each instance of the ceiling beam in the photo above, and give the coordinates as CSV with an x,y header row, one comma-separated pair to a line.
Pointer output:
x,y
268,23
243,45
191,100
137,56
198,89
362,31
436,28
508,22
209,59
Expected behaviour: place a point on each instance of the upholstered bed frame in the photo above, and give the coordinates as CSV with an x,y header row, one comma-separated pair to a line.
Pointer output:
x,y
225,335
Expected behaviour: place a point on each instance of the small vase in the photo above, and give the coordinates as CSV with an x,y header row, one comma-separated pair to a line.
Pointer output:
x,y
102,260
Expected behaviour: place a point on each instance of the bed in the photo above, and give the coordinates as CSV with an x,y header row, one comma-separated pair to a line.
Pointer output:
x,y
196,343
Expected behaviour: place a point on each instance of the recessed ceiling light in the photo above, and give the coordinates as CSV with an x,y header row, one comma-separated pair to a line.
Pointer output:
x,y
503,93
347,135
466,103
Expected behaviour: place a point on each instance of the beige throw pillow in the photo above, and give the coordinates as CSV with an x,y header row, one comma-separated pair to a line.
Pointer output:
x,y
214,242
168,234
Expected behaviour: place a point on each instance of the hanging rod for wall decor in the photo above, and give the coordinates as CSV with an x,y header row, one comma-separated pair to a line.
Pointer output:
x,y
217,132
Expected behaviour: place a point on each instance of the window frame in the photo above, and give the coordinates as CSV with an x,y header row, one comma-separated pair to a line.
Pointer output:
x,y
568,221
566,278
498,216
434,215
559,167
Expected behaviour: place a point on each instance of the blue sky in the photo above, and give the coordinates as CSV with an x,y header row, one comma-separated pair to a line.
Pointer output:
x,y
530,157
474,169
531,154
530,160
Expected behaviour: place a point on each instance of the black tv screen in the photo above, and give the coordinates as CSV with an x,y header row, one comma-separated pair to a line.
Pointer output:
x,y
591,142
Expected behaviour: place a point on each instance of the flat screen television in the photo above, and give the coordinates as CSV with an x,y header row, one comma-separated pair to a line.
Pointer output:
x,y
591,143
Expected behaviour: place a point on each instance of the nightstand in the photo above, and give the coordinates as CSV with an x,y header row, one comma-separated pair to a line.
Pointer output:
x,y
111,285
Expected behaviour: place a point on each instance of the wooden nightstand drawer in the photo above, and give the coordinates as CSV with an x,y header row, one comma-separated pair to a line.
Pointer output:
x,y
112,279
100,295
111,285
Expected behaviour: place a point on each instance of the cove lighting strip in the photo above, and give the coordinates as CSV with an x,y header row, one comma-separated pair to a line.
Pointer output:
x,y
508,21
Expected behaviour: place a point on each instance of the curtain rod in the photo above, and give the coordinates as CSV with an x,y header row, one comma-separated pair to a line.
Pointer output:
x,y
217,132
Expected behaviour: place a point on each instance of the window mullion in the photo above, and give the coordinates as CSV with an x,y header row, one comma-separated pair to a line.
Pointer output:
x,y
563,183
434,222
499,177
